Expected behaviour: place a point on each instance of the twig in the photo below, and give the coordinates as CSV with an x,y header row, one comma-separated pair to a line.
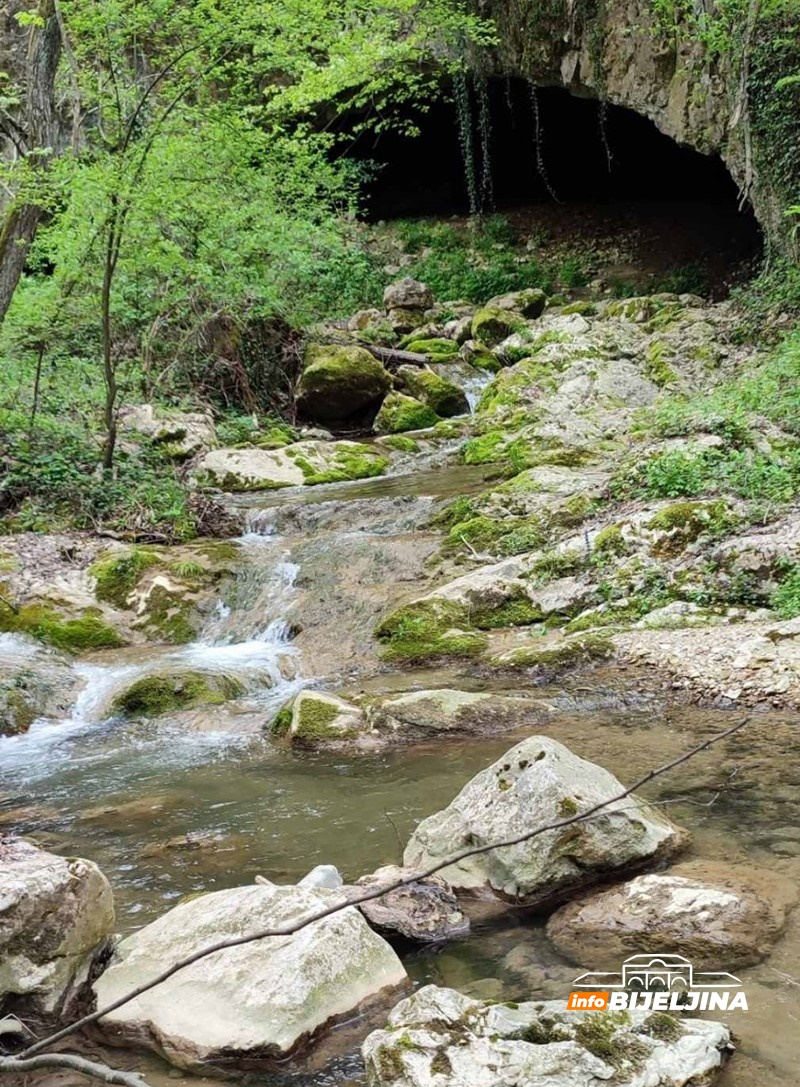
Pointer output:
x,y
368,896
77,1064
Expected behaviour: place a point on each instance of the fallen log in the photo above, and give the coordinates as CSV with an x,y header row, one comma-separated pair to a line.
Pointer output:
x,y
391,356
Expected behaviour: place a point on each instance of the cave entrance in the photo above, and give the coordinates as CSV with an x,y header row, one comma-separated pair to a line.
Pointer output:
x,y
565,164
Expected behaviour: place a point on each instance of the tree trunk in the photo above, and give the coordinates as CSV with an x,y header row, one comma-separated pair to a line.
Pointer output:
x,y
41,134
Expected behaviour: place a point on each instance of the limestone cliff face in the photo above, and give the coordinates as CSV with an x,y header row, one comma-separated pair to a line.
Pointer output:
x,y
612,50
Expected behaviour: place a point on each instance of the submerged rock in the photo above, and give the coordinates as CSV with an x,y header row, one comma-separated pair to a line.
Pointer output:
x,y
536,783
425,911
256,1002
339,383
439,1037
720,916
310,462
417,715
154,695
56,913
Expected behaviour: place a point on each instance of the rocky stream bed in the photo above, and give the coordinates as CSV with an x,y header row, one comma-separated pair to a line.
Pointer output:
x,y
454,629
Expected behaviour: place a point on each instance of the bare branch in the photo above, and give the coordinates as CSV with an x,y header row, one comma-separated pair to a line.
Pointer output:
x,y
78,1064
368,896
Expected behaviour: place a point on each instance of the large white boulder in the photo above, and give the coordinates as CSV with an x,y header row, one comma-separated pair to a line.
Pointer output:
x,y
537,783
54,914
310,462
439,1038
259,1000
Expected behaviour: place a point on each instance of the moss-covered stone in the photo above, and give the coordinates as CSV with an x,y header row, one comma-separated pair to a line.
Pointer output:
x,y
116,577
685,522
400,443
338,383
399,412
582,308
348,461
17,706
315,721
155,695
427,630
656,367
516,611
438,349
443,396
610,541
282,721
492,325
569,653
45,623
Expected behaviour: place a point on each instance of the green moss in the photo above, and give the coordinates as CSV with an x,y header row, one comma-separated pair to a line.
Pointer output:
x,y
169,616
583,309
656,367
596,1033
555,564
43,622
570,653
687,521
154,695
441,395
117,577
516,612
315,719
352,460
490,326
428,629
282,721
567,807
610,541
17,709
399,412
436,348
664,1027
401,443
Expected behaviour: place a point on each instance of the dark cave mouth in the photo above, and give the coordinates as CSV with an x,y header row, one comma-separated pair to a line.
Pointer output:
x,y
550,155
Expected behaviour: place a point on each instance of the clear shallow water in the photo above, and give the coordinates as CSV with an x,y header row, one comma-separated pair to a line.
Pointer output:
x,y
172,807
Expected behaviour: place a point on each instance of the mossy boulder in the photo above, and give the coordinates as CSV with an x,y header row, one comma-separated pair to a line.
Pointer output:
x,y
340,383
443,396
303,463
73,634
491,325
437,348
318,719
530,302
429,629
152,696
399,412
18,706
557,656
399,443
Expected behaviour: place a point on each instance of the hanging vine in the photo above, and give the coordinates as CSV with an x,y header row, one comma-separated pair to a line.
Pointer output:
x,y
537,142
463,104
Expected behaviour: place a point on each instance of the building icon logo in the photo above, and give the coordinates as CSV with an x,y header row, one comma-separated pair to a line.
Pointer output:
x,y
661,982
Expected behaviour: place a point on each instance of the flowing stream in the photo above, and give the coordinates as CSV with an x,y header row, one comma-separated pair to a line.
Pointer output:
x,y
205,799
